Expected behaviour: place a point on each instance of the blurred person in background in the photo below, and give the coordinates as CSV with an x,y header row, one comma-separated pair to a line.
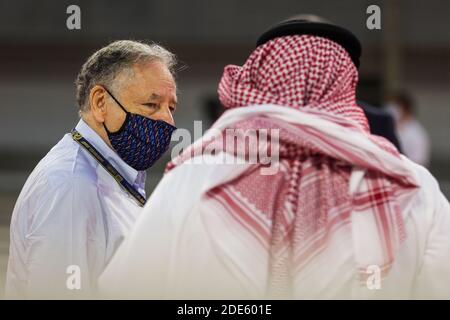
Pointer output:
x,y
413,137
381,123
344,215
85,195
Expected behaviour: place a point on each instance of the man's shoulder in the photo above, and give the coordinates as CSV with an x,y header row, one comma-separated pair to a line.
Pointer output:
x,y
64,165
62,182
429,192
423,175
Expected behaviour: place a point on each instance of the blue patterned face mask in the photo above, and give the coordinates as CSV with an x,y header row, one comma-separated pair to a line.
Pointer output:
x,y
140,141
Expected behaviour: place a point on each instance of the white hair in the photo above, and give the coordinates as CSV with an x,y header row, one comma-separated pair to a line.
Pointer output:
x,y
105,64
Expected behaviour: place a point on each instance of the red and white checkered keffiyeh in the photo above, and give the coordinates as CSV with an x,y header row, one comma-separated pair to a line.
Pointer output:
x,y
304,216
296,71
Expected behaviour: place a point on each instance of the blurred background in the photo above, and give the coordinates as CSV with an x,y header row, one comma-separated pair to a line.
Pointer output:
x,y
40,58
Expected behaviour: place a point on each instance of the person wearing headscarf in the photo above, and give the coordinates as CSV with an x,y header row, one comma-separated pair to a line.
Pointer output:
x,y
341,215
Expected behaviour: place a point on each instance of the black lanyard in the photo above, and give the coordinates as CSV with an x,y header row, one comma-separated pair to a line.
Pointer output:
x,y
108,167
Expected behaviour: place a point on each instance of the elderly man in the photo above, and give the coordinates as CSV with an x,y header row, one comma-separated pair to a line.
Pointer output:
x,y
345,216
86,193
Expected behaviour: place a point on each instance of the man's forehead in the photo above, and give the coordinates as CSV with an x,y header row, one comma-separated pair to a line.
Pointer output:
x,y
155,80
157,95
162,88
154,70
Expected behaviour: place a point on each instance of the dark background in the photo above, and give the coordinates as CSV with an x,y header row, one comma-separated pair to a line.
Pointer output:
x,y
40,58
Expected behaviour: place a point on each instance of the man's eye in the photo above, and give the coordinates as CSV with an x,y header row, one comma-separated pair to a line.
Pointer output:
x,y
151,105
172,109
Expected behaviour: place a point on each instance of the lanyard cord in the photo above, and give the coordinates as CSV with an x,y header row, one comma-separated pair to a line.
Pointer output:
x,y
77,137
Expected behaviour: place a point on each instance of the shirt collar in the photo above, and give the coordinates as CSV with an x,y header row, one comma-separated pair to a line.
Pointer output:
x,y
132,175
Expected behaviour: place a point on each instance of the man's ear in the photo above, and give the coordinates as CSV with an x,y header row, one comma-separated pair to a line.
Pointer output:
x,y
97,102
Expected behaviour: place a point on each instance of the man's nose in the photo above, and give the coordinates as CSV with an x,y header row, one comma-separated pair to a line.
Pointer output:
x,y
165,114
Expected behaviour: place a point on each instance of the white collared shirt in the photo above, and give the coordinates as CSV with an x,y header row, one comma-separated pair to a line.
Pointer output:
x,y
69,219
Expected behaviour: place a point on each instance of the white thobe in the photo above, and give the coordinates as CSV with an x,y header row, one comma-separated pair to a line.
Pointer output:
x,y
170,252
68,221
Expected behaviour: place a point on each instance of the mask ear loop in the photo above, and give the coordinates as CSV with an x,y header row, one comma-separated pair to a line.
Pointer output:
x,y
121,106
